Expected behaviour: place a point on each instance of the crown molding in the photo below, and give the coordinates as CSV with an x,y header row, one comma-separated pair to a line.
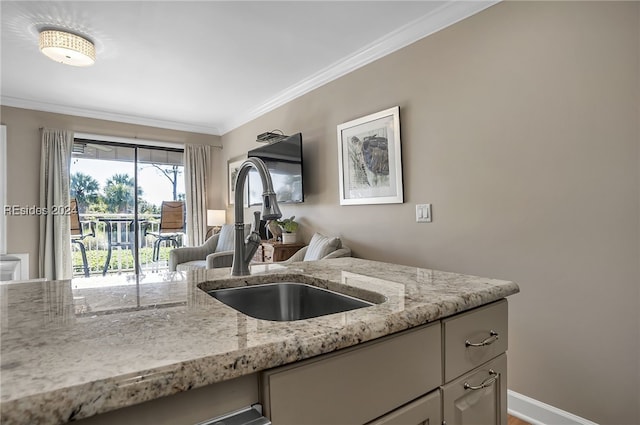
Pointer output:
x,y
108,116
446,15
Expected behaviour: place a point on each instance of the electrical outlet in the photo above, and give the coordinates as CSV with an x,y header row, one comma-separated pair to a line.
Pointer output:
x,y
423,213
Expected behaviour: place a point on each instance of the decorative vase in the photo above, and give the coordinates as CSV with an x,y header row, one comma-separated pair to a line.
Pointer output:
x,y
288,237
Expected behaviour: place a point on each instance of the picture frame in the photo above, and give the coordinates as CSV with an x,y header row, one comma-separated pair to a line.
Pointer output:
x,y
233,167
370,159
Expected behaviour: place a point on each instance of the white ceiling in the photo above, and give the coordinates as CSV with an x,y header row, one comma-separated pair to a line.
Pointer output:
x,y
203,66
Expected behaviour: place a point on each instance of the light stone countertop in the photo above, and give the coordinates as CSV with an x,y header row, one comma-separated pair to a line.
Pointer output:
x,y
70,353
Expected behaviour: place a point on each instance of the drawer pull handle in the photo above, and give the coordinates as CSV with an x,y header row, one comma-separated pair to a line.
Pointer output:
x,y
493,375
493,337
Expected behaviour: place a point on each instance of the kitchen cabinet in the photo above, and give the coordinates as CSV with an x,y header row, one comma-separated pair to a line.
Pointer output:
x,y
356,385
453,370
475,343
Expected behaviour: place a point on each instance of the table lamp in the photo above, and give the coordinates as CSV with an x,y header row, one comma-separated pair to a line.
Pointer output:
x,y
215,219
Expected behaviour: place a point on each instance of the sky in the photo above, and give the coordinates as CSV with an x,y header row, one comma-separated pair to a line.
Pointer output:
x,y
155,186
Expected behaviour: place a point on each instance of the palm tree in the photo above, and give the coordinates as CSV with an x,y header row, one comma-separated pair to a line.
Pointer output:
x,y
119,193
85,189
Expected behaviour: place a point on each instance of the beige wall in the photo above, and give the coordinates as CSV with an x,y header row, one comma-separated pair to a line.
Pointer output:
x,y
520,126
23,165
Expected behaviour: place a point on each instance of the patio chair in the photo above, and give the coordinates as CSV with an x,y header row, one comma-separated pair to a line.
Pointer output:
x,y
172,222
78,235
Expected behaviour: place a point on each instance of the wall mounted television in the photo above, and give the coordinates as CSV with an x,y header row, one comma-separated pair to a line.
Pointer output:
x,y
284,161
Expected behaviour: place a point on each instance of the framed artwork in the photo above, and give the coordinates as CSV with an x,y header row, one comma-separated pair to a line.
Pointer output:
x,y
233,167
369,155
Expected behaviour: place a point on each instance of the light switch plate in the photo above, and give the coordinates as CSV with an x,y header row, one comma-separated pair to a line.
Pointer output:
x,y
423,213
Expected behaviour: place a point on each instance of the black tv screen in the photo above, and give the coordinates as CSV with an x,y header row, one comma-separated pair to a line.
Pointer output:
x,y
284,161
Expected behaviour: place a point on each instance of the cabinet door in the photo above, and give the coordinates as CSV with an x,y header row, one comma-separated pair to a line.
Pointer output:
x,y
423,411
479,397
356,385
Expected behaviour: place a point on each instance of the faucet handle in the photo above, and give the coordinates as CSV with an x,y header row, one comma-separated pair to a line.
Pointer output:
x,y
256,222
252,241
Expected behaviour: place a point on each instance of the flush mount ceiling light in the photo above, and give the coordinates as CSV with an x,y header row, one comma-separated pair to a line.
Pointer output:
x,y
67,48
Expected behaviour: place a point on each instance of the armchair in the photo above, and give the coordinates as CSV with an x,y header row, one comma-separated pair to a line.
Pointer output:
x,y
216,252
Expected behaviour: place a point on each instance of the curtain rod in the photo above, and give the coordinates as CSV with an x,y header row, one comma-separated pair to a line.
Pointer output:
x,y
129,140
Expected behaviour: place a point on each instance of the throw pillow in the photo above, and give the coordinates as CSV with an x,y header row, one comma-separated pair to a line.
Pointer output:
x,y
226,238
321,246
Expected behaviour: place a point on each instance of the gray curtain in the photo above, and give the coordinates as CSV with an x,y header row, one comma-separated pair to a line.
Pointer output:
x,y
55,228
197,163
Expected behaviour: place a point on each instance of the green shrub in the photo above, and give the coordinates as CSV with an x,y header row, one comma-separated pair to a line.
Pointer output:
x,y
96,259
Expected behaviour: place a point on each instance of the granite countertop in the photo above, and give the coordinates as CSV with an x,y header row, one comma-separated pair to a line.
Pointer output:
x,y
73,352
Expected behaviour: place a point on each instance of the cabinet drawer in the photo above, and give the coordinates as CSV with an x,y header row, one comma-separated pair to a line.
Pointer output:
x,y
423,411
355,385
472,338
479,397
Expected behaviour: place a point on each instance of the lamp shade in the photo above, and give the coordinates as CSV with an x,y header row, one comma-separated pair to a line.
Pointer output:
x,y
216,217
67,48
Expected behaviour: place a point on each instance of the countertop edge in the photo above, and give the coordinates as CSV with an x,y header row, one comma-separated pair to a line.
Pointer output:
x,y
444,295
79,401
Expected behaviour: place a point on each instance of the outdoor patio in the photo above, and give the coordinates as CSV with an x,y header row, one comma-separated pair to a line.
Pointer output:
x,y
120,266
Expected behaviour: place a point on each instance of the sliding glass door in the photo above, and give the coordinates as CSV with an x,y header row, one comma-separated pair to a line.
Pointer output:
x,y
119,191
161,206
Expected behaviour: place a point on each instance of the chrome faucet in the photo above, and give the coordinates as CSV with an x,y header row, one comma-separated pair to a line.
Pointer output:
x,y
245,249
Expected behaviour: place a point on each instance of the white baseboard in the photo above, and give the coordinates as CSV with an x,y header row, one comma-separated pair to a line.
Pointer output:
x,y
538,413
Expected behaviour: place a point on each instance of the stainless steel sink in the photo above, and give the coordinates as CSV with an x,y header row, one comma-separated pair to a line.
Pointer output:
x,y
286,301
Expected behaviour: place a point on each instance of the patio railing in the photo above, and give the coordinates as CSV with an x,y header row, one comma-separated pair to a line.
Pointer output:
x,y
121,229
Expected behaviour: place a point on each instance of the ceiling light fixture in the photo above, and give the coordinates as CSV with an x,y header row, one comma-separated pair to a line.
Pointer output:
x,y
67,48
